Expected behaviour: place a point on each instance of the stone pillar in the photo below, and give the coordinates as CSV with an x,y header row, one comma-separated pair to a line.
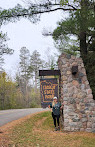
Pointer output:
x,y
79,106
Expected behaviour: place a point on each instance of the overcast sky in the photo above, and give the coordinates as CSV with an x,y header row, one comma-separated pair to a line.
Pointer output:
x,y
24,33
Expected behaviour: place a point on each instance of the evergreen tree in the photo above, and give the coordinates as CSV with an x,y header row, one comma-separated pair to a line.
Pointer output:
x,y
24,62
4,49
35,64
82,11
79,24
24,72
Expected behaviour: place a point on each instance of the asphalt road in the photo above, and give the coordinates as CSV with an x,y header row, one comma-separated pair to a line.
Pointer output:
x,y
14,114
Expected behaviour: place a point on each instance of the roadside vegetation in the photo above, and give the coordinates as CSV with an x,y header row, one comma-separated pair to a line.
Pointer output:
x,y
38,131
24,90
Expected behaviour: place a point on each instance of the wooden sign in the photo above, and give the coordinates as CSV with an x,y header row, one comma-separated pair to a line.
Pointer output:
x,y
48,89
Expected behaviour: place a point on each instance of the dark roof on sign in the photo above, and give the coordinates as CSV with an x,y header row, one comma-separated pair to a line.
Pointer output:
x,y
49,72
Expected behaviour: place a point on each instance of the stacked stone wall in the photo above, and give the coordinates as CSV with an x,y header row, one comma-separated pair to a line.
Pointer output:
x,y
76,96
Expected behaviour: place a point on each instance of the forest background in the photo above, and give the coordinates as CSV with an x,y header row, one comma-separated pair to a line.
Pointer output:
x,y
74,34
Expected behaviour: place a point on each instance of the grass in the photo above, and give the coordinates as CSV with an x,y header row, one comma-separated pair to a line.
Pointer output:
x,y
38,131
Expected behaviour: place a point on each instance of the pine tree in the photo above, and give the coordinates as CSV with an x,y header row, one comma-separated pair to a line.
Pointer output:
x,y
35,64
80,24
4,49
24,72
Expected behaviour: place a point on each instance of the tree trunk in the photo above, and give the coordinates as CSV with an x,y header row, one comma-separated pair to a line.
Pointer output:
x,y
35,83
83,45
83,28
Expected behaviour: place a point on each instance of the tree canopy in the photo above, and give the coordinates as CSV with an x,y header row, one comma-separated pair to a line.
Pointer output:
x,y
81,21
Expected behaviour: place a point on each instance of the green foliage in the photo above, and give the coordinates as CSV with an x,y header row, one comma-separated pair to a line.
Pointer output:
x,y
81,20
8,93
24,75
81,25
11,96
16,13
62,2
24,63
35,98
63,35
4,49
27,78
36,63
65,2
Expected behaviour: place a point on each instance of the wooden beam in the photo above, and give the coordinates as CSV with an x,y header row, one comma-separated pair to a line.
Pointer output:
x,y
49,72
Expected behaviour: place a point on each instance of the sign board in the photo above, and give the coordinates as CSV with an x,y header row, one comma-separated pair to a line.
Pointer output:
x,y
48,89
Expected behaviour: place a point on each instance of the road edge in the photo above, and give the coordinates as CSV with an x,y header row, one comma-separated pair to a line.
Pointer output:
x,y
13,123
